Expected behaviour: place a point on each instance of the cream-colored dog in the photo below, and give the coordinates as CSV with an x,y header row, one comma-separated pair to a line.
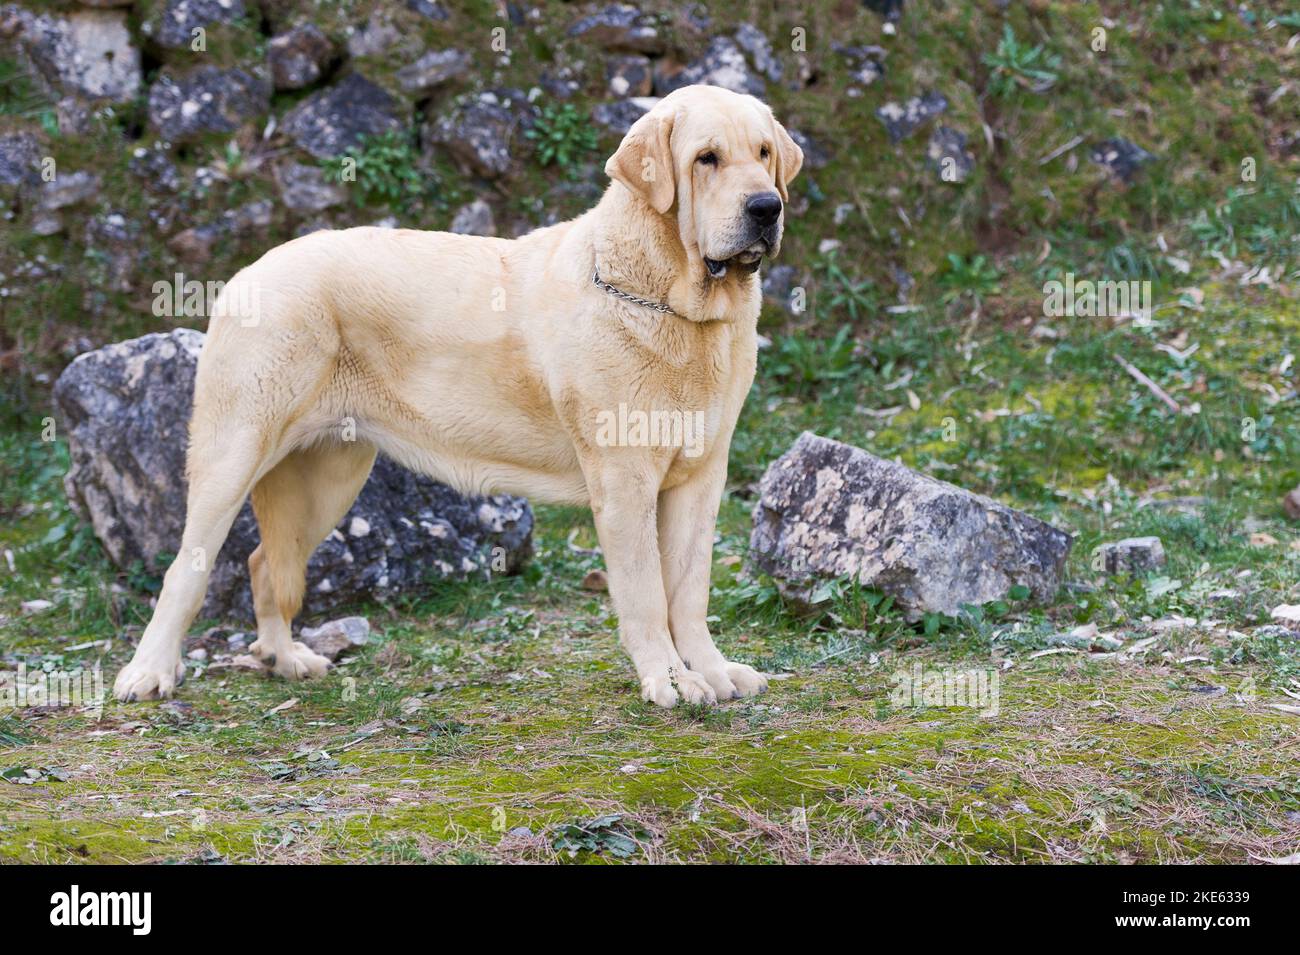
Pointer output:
x,y
502,365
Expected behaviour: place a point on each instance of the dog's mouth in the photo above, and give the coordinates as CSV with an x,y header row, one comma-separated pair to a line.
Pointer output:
x,y
746,261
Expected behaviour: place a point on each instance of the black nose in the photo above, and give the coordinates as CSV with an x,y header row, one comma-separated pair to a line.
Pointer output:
x,y
764,208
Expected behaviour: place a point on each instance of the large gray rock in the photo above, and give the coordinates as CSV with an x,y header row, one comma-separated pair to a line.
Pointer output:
x,y
831,511
433,70
125,410
333,121
175,24
299,57
620,27
723,64
207,99
483,131
87,53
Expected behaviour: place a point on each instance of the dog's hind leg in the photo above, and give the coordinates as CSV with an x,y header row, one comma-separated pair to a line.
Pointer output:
x,y
297,504
223,468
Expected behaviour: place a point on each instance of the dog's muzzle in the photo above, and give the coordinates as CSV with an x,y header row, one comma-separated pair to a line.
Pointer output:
x,y
746,260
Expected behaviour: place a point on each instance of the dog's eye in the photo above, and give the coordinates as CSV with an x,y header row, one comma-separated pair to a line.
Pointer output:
x,y
708,159
764,153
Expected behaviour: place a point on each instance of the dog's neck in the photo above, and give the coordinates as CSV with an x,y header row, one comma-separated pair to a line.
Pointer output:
x,y
641,252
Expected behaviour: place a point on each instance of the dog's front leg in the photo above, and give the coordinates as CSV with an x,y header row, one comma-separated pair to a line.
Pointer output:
x,y
623,504
688,515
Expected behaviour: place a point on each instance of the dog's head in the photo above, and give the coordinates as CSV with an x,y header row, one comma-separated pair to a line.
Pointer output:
x,y
722,164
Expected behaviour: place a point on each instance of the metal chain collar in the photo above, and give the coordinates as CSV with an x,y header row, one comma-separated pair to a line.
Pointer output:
x,y
628,296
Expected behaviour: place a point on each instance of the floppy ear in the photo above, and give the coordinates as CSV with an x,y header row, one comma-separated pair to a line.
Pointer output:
x,y
789,160
644,161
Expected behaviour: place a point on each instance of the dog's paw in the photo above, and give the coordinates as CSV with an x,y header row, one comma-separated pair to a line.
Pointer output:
x,y
731,681
677,685
148,680
300,662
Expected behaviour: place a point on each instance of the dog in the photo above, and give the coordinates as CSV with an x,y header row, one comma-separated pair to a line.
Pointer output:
x,y
495,365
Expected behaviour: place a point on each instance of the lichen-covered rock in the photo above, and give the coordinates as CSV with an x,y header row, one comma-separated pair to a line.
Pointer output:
x,y
866,63
305,188
298,58
620,27
20,159
333,121
1133,555
482,130
432,70
903,119
207,99
755,42
197,244
620,115
830,511
125,410
947,154
629,75
723,64
1120,158
474,218
174,26
429,8
87,52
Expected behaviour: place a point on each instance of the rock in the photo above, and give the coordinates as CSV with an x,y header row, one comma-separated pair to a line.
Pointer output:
x,y
1287,614
306,188
429,8
205,100
474,218
948,155
299,57
754,42
865,66
20,159
1133,555
1291,504
629,75
1120,158
116,241
723,64
375,37
891,10
87,52
779,282
332,121
829,511
596,581
35,606
155,169
901,120
174,27
815,155
481,130
68,189
125,409
335,637
197,243
433,70
620,116
620,27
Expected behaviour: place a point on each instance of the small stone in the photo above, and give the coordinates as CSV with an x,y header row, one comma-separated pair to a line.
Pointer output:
x,y
305,188
1291,504
620,26
1133,555
619,116
474,218
358,526
433,70
331,639
903,119
299,57
948,155
174,27
1288,614
597,581
1120,158
629,75
35,606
